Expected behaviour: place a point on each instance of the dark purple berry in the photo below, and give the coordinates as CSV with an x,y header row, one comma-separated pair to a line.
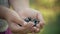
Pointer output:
x,y
35,21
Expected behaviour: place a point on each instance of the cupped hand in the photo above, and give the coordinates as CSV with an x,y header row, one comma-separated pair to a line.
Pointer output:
x,y
16,24
34,14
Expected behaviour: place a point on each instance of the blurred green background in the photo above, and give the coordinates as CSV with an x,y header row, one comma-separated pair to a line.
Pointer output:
x,y
50,10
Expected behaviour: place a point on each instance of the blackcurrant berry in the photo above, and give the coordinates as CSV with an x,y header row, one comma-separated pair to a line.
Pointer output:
x,y
27,19
35,21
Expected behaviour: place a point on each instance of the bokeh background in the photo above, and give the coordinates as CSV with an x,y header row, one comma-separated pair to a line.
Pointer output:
x,y
50,10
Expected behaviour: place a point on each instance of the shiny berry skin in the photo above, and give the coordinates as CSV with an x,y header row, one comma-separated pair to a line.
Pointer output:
x,y
27,19
35,21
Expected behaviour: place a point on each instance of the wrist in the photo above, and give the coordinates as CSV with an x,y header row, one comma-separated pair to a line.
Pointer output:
x,y
2,12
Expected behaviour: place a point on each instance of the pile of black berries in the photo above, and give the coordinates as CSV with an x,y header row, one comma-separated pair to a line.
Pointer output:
x,y
36,21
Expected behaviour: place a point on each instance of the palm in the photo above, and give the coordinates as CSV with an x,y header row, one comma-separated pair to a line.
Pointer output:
x,y
33,14
28,13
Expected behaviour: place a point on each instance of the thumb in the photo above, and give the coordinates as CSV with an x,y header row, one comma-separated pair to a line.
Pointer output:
x,y
16,18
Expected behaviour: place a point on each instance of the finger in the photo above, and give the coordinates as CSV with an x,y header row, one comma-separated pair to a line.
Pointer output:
x,y
16,18
18,21
13,16
37,30
38,25
29,25
41,25
15,27
40,17
33,29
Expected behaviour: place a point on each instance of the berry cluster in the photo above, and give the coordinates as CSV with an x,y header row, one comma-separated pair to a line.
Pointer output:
x,y
36,21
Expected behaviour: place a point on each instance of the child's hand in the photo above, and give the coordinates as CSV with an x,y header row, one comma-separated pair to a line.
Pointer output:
x,y
14,21
33,14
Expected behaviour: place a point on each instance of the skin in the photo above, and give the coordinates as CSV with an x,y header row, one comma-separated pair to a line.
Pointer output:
x,y
23,9
7,13
13,19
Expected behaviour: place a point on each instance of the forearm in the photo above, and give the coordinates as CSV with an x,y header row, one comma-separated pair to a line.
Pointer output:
x,y
6,12
3,12
19,5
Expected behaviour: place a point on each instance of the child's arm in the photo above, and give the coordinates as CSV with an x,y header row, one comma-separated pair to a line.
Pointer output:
x,y
7,13
19,5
